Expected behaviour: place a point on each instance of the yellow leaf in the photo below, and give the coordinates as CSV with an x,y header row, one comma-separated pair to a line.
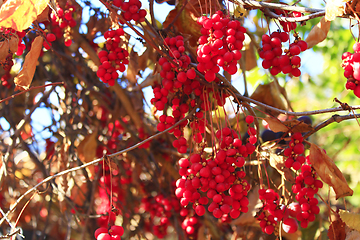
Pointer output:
x,y
25,76
351,219
20,14
329,172
333,9
318,33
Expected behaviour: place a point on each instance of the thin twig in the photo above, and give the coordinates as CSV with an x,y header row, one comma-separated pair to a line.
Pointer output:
x,y
334,118
294,19
255,4
32,88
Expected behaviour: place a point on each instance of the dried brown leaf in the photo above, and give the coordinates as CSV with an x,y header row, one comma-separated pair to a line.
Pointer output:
x,y
329,172
318,33
186,23
278,162
8,46
44,16
133,67
289,125
351,219
87,151
25,76
269,94
250,57
201,233
78,189
337,230
20,14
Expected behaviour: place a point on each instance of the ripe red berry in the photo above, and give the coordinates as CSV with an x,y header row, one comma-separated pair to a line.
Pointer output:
x,y
290,225
249,119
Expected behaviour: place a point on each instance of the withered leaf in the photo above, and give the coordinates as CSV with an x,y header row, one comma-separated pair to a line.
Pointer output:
x,y
329,172
78,189
44,16
318,33
269,94
250,57
8,45
337,230
278,162
20,14
133,67
87,151
186,23
25,76
289,125
351,219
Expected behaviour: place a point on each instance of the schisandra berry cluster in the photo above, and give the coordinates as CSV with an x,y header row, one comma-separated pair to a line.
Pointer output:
x,y
293,153
277,60
351,66
306,186
288,26
160,209
114,58
114,233
62,22
221,177
131,10
220,45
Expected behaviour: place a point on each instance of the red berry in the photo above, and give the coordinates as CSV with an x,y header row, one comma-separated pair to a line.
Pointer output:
x,y
100,230
50,37
290,225
117,230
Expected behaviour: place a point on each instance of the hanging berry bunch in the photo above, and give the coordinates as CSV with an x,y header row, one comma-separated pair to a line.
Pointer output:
x,y
351,66
220,45
277,60
62,22
131,10
114,58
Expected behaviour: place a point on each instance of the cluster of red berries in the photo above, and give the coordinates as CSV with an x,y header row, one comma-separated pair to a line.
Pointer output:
x,y
114,233
273,213
303,210
270,211
287,62
190,226
177,74
62,21
131,10
351,66
160,209
114,58
288,26
221,178
305,188
293,153
220,45
5,79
